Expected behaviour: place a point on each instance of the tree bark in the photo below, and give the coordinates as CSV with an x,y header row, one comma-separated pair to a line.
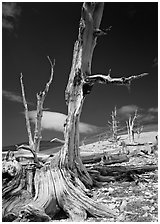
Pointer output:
x,y
116,173
130,127
75,91
26,113
40,101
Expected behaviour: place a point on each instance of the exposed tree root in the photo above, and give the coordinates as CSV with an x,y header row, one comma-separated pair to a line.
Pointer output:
x,y
53,188
76,201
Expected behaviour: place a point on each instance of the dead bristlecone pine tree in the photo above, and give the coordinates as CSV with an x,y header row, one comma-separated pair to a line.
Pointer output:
x,y
39,191
131,123
113,124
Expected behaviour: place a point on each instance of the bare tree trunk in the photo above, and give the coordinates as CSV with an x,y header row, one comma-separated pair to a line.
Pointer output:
x,y
130,127
114,125
26,113
81,68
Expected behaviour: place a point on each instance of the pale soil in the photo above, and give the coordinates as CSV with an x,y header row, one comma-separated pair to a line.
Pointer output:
x,y
105,145
136,200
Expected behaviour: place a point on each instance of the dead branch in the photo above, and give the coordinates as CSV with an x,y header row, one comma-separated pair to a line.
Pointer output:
x,y
34,153
40,100
101,32
31,143
106,79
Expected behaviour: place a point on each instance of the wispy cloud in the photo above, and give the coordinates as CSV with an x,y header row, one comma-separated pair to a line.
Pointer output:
x,y
153,110
10,13
148,118
127,110
145,116
55,121
151,115
13,97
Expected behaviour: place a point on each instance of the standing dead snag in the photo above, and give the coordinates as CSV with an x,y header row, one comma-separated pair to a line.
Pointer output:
x,y
76,88
139,130
31,146
114,125
34,144
133,127
28,126
130,127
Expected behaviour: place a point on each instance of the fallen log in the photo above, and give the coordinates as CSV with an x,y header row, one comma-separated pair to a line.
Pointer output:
x,y
112,170
106,159
87,157
116,173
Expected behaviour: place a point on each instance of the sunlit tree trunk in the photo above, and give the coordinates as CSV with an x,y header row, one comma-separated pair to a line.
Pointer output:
x,y
130,127
77,89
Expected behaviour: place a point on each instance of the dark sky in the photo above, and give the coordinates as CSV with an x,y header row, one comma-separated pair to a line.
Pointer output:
x,y
34,30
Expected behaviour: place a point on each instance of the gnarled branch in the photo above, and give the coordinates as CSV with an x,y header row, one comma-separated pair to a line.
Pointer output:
x,y
106,79
31,149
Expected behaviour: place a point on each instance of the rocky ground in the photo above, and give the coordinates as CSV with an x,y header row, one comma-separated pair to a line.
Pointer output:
x,y
136,200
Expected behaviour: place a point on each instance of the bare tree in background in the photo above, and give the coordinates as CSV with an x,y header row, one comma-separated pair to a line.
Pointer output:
x,y
131,127
114,125
139,130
